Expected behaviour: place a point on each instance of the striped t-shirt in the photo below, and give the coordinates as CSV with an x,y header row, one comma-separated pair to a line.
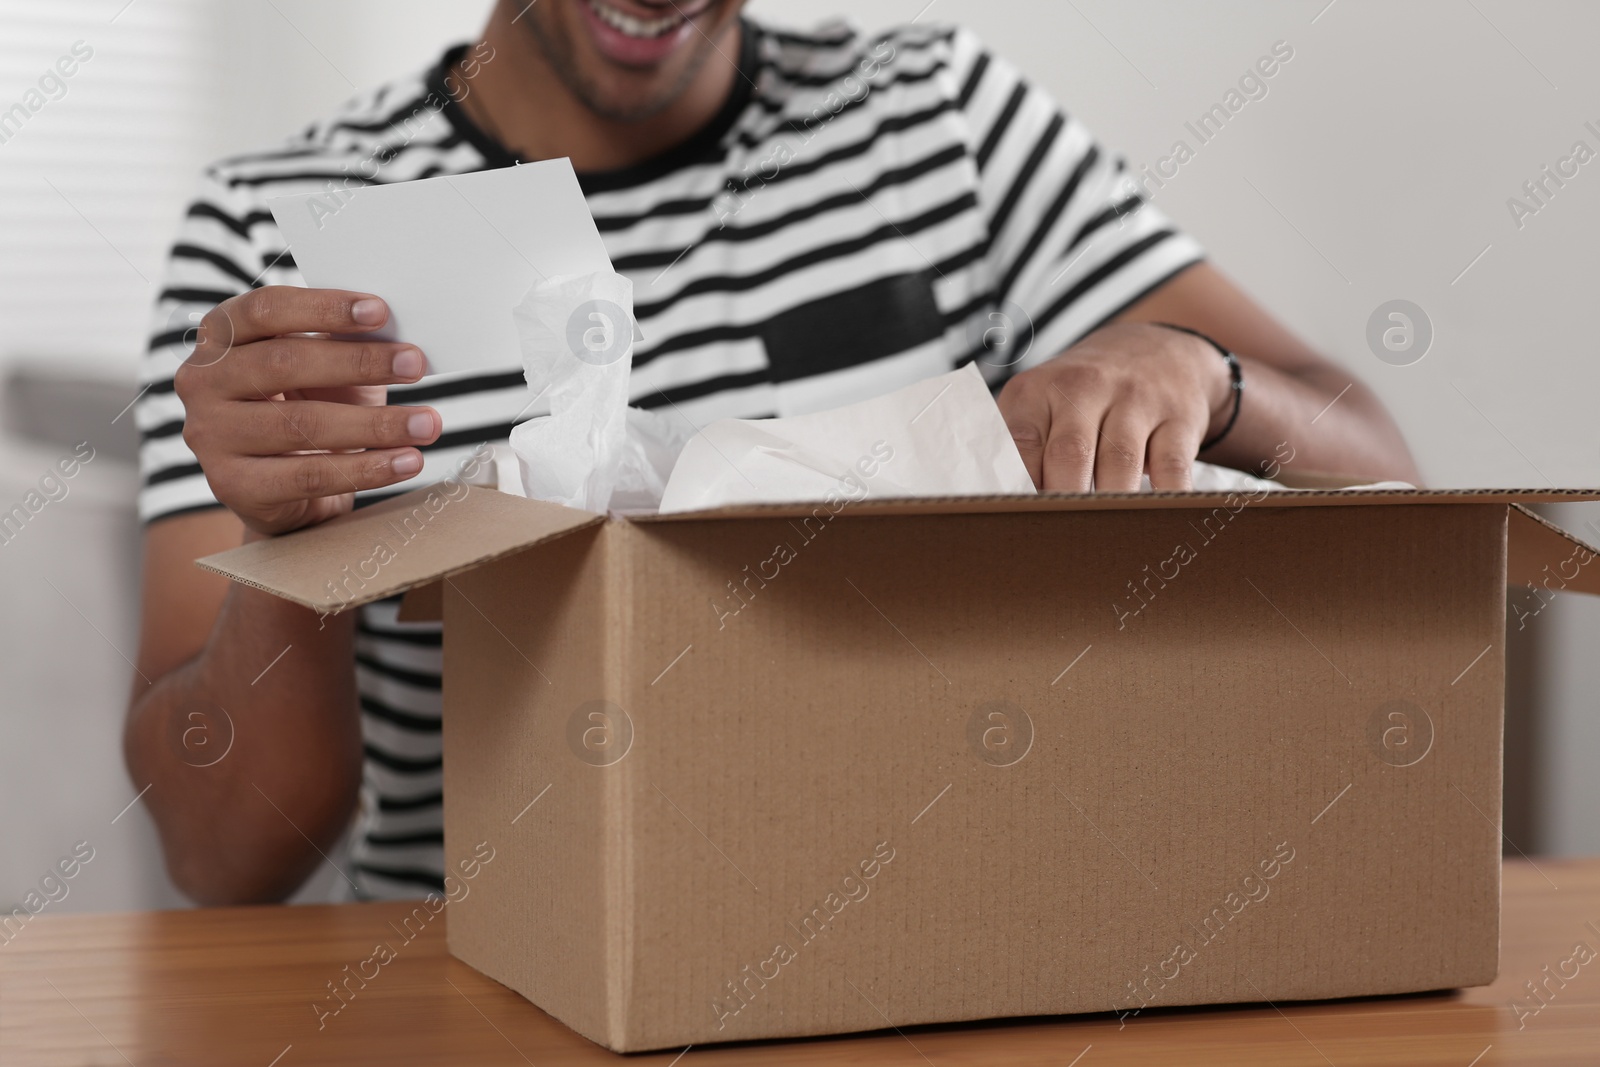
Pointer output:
x,y
865,212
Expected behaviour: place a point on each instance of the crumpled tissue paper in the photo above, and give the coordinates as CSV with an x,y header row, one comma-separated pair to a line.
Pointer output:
x,y
592,451
577,350
943,436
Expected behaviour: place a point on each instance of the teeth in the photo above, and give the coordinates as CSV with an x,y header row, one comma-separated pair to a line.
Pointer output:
x,y
625,23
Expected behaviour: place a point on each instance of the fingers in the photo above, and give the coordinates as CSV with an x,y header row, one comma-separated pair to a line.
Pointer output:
x,y
1070,454
281,364
274,310
257,428
1170,456
291,479
281,463
1119,461
1027,414
1084,442
1055,434
1125,399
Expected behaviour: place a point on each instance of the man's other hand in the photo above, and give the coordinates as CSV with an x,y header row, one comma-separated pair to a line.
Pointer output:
x,y
1127,399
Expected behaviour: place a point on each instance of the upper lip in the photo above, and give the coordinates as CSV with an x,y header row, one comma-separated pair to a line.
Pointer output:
x,y
640,9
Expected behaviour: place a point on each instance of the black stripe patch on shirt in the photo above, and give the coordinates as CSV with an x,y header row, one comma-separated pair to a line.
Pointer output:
x,y
883,318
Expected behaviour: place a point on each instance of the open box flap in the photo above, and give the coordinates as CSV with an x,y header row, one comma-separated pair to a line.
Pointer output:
x,y
1542,553
414,539
1283,498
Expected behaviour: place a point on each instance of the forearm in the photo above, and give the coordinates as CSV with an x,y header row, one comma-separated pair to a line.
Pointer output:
x,y
252,769
1327,421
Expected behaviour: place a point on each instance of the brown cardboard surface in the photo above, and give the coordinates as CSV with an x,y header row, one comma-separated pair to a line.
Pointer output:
x,y
1158,501
422,603
384,549
527,635
1542,554
1313,691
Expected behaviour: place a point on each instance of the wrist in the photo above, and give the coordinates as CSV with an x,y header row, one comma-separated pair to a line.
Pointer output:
x,y
1220,383
1224,379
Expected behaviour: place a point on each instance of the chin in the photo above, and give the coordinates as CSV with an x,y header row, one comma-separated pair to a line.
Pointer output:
x,y
630,59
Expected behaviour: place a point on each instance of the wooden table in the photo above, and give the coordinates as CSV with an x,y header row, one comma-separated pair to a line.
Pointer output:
x,y
236,986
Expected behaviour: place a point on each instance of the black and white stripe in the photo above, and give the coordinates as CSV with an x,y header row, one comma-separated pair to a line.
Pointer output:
x,y
923,183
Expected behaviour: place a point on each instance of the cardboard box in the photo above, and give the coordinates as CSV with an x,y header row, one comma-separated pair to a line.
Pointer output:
x,y
804,770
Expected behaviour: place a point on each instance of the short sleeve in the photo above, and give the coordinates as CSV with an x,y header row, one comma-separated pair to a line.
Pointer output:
x,y
1072,242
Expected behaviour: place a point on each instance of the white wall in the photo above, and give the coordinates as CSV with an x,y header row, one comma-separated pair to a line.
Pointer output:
x,y
1377,167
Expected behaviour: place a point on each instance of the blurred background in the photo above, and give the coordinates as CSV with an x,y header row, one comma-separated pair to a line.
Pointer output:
x,y
1379,167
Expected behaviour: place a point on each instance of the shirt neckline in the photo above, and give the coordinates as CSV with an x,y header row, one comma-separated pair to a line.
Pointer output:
x,y
496,155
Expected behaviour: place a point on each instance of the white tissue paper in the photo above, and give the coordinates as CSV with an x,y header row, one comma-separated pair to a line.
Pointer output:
x,y
940,437
592,451
576,334
648,457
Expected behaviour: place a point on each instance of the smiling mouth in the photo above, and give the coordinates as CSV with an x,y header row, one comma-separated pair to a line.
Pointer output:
x,y
643,29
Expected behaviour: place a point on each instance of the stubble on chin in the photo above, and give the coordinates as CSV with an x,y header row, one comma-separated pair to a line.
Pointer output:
x,y
558,49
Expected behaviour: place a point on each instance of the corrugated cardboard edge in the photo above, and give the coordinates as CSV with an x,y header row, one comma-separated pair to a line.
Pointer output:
x,y
1279,498
617,862
459,528
1507,550
1537,549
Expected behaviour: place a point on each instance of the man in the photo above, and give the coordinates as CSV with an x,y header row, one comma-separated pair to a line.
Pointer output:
x,y
808,220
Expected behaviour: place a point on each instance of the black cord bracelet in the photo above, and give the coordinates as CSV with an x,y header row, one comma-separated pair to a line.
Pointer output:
x,y
1235,371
